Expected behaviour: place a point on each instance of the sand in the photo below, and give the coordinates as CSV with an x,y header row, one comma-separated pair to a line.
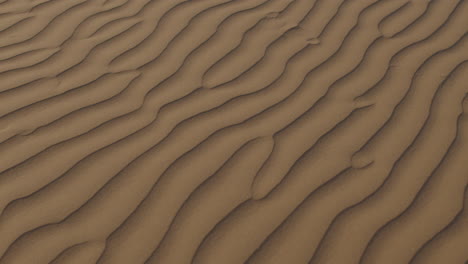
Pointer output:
x,y
233,131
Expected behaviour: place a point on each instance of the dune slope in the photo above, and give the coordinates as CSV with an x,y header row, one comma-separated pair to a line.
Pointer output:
x,y
233,131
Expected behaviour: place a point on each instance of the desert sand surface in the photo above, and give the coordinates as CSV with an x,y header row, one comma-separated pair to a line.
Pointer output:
x,y
234,131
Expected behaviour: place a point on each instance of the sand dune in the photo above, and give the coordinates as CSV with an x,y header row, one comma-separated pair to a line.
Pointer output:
x,y
233,131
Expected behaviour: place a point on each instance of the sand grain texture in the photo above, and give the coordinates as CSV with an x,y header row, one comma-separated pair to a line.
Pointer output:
x,y
234,131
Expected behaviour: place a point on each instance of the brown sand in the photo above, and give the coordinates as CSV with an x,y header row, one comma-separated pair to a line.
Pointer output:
x,y
234,131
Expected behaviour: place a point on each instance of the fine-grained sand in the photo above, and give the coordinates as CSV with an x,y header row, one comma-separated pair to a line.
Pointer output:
x,y
234,131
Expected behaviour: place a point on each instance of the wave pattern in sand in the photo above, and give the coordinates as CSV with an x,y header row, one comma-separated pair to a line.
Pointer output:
x,y
233,131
